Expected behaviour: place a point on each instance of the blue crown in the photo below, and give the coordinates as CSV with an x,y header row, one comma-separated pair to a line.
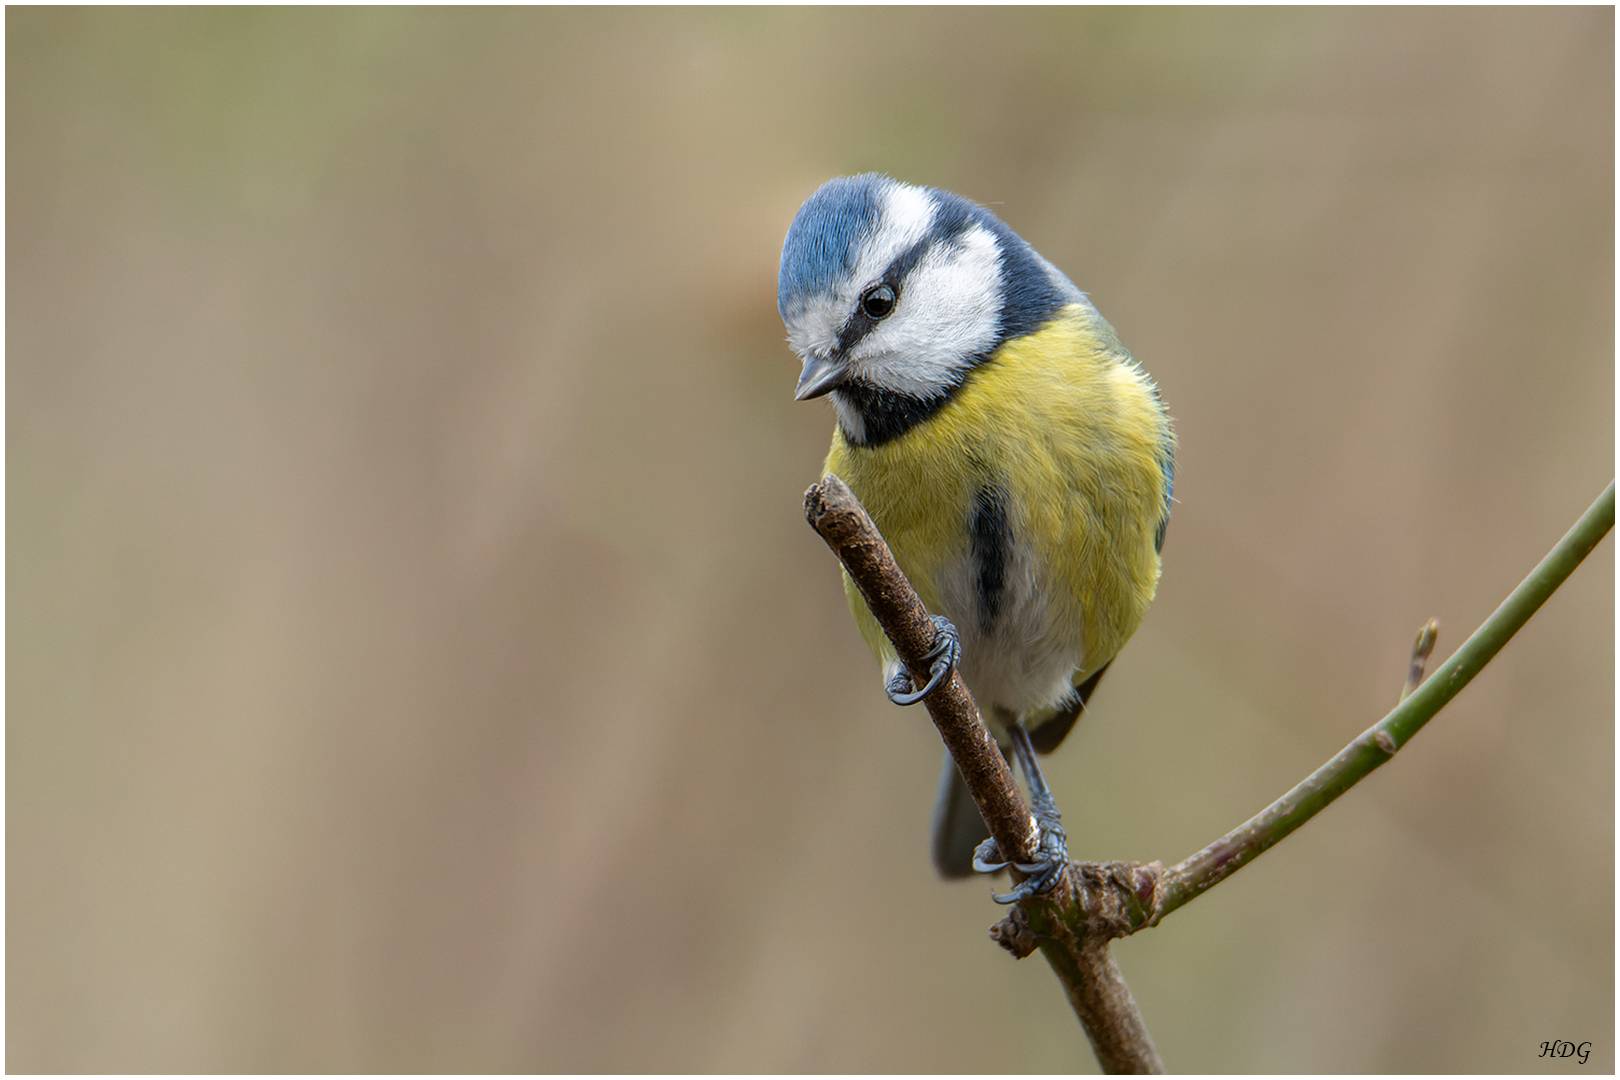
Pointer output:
x,y
821,242
832,225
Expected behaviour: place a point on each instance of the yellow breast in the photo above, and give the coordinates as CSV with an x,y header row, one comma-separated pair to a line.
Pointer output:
x,y
1068,435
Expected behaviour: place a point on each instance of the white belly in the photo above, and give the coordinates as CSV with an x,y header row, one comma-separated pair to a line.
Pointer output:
x,y
1025,656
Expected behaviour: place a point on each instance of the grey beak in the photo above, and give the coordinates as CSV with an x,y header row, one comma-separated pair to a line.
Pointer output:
x,y
820,374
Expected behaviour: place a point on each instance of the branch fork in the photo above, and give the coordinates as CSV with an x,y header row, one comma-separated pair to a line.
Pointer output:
x,y
1095,903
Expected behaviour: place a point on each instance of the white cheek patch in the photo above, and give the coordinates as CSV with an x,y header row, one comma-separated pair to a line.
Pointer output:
x,y
949,313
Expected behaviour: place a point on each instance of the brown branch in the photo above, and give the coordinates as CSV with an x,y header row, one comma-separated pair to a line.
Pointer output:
x,y
1099,996
1109,902
835,513
1074,923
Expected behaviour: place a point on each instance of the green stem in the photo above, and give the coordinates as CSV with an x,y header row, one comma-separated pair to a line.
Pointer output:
x,y
1379,743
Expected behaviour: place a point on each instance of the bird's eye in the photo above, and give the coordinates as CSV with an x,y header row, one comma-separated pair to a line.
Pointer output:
x,y
878,301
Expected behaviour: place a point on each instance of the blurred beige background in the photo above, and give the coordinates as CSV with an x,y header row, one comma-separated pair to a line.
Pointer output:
x,y
418,659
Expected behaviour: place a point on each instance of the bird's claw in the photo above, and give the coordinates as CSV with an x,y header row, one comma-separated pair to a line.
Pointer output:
x,y
1051,859
943,656
987,857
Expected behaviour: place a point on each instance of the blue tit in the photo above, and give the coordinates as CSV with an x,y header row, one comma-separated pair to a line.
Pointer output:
x,y
1015,457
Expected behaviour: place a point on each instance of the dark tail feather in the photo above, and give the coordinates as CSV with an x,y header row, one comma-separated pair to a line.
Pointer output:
x,y
958,828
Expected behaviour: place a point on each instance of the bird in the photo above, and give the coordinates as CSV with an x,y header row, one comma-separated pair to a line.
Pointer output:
x,y
1016,458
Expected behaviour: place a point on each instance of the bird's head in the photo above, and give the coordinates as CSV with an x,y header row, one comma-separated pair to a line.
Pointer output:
x,y
892,294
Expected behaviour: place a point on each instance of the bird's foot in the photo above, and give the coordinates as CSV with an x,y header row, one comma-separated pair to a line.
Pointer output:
x,y
1052,852
1043,874
942,659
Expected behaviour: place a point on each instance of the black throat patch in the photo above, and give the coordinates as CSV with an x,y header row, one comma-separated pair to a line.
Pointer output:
x,y
887,415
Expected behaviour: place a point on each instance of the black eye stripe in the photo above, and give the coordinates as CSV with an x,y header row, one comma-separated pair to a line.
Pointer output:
x,y
952,217
860,323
